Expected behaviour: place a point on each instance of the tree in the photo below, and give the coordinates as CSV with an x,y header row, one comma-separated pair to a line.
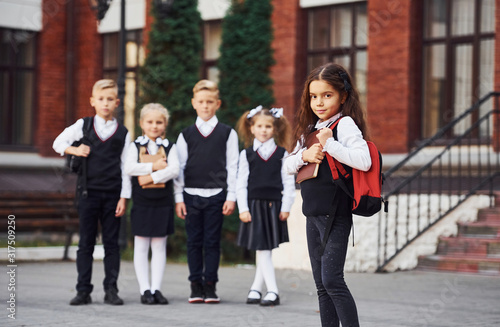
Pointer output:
x,y
246,58
173,63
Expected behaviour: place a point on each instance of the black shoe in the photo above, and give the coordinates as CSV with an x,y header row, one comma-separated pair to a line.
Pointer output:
x,y
159,298
210,296
147,298
111,297
197,295
268,303
254,301
81,298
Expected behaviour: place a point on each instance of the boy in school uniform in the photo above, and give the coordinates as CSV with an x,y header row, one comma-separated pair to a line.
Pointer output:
x,y
205,189
108,187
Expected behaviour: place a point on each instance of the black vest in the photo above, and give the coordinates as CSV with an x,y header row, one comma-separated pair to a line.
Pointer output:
x,y
206,162
156,197
317,193
264,179
104,161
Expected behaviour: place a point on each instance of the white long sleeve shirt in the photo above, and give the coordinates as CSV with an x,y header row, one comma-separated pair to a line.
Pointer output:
x,y
265,150
350,148
205,128
104,130
135,168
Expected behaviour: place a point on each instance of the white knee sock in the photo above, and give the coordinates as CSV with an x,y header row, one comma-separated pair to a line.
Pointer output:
x,y
265,263
141,251
158,261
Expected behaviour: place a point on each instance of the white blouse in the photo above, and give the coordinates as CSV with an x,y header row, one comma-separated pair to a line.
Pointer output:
x,y
350,148
135,168
265,150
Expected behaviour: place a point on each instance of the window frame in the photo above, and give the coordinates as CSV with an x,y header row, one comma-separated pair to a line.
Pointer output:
x,y
329,51
11,68
451,42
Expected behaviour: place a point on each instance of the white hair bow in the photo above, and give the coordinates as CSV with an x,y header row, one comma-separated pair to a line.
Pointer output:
x,y
276,112
254,111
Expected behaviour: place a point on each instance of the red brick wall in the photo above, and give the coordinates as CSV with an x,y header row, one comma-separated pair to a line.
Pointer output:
x,y
89,58
51,76
52,68
389,91
286,72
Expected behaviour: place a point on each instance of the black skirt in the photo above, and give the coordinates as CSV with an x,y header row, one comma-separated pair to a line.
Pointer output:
x,y
151,221
266,231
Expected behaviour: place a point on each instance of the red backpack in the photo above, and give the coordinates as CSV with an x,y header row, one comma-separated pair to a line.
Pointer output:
x,y
367,197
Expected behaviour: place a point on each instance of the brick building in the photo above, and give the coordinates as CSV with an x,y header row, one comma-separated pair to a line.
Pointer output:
x,y
417,64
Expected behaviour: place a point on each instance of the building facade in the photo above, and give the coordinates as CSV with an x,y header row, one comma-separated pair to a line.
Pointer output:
x,y
417,63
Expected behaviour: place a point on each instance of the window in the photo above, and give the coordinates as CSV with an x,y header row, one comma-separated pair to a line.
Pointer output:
x,y
17,87
339,34
458,60
212,39
134,59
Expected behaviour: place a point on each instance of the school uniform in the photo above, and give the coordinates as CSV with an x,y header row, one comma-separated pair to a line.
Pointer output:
x,y
106,184
264,189
152,213
208,158
335,300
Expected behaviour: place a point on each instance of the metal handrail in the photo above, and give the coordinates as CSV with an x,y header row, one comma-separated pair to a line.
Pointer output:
x,y
404,190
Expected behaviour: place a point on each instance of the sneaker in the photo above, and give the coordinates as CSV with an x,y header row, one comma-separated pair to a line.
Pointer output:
x,y
196,293
210,296
81,298
111,297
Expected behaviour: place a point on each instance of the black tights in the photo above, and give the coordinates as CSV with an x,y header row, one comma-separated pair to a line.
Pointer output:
x,y
336,303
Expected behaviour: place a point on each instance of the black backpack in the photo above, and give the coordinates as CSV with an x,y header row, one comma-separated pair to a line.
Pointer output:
x,y
74,163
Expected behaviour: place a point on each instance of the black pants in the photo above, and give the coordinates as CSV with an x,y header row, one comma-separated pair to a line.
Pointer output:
x,y
335,300
203,228
98,207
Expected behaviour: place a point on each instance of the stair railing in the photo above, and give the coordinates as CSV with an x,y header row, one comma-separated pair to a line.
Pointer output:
x,y
434,179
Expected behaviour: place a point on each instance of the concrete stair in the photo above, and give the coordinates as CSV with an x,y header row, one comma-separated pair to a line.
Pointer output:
x,y
476,248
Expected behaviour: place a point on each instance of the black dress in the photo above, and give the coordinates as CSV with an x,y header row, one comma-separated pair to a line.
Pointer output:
x,y
152,213
266,231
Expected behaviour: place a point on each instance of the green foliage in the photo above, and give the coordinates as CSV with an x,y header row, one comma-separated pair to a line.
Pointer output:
x,y
173,64
246,58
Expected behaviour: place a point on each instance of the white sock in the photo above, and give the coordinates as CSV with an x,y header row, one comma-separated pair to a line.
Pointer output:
x,y
265,263
258,280
158,261
141,264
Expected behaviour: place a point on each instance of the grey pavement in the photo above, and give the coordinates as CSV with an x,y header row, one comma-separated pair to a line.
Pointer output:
x,y
413,298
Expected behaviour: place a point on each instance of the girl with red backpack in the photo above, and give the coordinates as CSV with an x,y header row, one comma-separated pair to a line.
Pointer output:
x,y
328,95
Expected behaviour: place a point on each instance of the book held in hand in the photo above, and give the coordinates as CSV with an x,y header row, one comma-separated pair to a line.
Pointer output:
x,y
310,170
146,158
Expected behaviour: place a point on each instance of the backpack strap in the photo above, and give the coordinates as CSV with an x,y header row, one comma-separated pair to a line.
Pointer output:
x,y
88,123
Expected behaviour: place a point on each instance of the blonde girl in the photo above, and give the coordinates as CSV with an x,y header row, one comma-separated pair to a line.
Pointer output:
x,y
265,194
152,214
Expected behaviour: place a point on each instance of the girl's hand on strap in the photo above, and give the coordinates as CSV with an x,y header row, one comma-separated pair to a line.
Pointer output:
x,y
284,216
246,217
314,154
323,135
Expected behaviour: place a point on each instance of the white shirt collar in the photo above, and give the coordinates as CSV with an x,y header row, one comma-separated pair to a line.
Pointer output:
x,y
265,149
212,122
101,121
320,124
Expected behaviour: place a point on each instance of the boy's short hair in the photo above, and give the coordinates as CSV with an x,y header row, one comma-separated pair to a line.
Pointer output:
x,y
103,84
207,85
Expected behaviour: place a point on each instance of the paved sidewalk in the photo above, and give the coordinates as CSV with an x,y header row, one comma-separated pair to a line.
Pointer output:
x,y
43,291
